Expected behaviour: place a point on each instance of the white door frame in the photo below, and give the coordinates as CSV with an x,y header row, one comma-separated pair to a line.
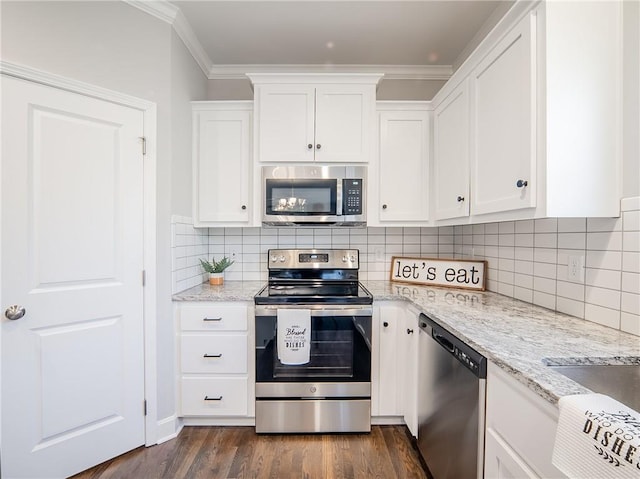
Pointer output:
x,y
149,111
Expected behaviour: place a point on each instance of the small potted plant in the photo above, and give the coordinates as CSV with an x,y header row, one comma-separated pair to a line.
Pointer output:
x,y
216,269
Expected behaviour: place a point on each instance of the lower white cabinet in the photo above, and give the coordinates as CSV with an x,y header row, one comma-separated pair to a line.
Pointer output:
x,y
520,430
408,346
394,367
216,362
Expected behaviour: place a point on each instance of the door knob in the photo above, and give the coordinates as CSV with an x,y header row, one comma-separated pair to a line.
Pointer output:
x,y
460,199
309,146
522,183
385,324
409,331
15,312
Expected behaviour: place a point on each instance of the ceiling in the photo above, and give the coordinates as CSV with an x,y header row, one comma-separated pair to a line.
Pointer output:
x,y
424,39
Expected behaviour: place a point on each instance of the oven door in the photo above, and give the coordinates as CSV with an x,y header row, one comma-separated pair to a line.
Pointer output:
x,y
340,354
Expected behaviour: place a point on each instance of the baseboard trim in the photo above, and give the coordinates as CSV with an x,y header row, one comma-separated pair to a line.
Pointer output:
x,y
169,428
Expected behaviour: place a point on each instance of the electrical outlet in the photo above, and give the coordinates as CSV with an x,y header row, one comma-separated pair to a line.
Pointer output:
x,y
378,252
575,268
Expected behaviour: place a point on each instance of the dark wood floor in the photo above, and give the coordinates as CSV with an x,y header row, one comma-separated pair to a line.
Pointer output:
x,y
237,452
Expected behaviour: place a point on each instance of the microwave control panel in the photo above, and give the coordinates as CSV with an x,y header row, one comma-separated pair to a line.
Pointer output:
x,y
352,196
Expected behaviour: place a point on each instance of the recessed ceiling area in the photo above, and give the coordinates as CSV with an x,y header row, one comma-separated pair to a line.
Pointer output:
x,y
416,33
417,44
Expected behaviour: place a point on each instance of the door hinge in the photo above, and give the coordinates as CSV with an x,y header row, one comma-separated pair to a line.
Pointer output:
x,y
144,145
144,277
145,407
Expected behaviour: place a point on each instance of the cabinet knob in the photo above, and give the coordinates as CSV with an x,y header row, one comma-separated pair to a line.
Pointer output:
x,y
385,324
409,331
310,146
244,207
521,183
460,199
384,207
318,146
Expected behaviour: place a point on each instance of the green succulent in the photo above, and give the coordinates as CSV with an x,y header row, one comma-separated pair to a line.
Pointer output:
x,y
214,266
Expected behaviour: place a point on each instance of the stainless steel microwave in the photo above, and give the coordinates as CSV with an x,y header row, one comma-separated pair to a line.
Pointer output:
x,y
303,195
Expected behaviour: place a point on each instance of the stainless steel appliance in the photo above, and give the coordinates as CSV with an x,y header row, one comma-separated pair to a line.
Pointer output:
x,y
331,392
451,403
314,195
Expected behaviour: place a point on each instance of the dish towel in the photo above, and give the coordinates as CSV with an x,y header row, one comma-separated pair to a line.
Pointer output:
x,y
597,437
294,336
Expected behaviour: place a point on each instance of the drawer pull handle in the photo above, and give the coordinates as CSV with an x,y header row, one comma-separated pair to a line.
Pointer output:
x,y
213,355
207,398
212,319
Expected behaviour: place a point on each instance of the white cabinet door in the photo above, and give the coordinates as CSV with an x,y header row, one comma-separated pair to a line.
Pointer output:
x,y
72,208
285,123
521,428
403,172
503,124
345,123
409,346
221,163
451,155
501,462
390,321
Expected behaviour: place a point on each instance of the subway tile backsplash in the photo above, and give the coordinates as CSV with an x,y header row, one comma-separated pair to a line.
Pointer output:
x,y
528,260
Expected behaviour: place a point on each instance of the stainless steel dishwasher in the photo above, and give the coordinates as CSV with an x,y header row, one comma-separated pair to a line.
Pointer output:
x,y
451,404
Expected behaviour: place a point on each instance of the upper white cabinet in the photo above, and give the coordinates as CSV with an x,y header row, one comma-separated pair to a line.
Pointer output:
x,y
503,121
222,174
324,118
451,155
540,118
399,178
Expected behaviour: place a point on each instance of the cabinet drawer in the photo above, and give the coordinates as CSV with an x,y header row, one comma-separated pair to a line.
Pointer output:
x,y
214,317
214,396
201,353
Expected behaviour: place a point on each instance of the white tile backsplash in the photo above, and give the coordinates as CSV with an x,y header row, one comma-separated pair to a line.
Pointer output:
x,y
527,259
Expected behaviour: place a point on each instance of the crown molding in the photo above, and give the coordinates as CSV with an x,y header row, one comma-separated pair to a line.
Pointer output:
x,y
391,72
167,12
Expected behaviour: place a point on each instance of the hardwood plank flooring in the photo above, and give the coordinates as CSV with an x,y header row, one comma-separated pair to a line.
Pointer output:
x,y
237,452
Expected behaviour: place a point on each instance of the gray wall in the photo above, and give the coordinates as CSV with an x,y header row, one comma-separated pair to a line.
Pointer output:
x,y
631,100
422,90
116,46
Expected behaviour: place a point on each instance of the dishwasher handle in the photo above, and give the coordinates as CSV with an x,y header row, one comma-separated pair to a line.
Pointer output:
x,y
448,345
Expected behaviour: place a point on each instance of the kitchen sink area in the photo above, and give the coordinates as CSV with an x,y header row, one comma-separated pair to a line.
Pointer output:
x,y
619,381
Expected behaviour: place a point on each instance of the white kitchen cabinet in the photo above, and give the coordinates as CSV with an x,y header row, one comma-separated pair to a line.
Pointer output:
x,y
544,118
388,321
409,347
323,118
399,179
503,91
217,379
520,429
451,139
222,175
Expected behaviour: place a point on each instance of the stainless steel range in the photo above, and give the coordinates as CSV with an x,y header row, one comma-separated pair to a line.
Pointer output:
x,y
313,344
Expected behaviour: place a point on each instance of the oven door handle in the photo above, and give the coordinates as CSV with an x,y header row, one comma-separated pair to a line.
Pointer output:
x,y
316,311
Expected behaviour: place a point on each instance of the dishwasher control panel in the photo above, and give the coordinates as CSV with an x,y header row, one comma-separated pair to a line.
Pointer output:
x,y
467,360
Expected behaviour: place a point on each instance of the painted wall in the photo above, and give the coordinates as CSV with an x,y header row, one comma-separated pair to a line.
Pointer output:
x,y
631,103
116,46
527,259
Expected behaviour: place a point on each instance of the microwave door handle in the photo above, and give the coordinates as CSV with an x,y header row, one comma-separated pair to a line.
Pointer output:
x,y
339,198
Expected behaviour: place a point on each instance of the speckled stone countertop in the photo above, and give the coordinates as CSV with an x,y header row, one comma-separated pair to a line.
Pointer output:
x,y
518,337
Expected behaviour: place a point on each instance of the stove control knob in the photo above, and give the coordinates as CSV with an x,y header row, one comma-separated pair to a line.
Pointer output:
x,y
282,258
345,259
274,258
352,259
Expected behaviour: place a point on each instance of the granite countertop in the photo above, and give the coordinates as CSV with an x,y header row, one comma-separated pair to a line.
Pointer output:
x,y
518,337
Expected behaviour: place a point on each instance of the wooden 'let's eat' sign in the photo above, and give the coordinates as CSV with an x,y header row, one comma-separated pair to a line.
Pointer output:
x,y
453,273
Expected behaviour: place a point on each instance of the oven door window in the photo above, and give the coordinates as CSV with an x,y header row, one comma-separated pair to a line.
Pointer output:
x,y
301,197
340,351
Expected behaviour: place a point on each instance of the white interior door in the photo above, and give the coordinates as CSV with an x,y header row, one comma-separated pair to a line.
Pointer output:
x,y
72,250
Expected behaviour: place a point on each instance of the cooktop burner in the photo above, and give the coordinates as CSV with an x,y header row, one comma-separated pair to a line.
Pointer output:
x,y
305,276
351,293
